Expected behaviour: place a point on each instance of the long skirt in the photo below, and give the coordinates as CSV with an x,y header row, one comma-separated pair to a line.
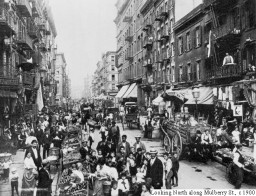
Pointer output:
x,y
28,184
98,187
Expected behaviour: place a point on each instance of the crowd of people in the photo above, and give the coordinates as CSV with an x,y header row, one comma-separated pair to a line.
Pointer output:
x,y
116,166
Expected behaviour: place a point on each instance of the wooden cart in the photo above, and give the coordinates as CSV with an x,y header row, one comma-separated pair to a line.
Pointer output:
x,y
179,136
131,115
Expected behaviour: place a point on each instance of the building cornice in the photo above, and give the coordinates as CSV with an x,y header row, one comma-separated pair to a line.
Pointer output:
x,y
191,15
147,6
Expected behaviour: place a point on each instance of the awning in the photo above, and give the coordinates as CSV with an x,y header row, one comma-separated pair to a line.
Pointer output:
x,y
122,91
158,101
126,94
133,93
8,94
206,96
178,95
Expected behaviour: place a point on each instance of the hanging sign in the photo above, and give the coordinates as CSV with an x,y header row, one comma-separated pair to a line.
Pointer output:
x,y
238,110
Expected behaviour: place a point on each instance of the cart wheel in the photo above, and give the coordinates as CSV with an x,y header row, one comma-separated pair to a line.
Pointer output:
x,y
167,144
231,174
176,144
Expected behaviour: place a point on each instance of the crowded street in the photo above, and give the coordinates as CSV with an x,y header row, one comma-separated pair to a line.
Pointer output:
x,y
127,97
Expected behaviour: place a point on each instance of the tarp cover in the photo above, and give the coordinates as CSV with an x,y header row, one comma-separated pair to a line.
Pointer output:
x,y
206,96
122,91
127,93
133,93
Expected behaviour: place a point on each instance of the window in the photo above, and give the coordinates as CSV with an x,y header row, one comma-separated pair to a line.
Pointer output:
x,y
180,73
172,49
198,76
188,41
189,72
198,37
112,58
112,67
180,45
113,87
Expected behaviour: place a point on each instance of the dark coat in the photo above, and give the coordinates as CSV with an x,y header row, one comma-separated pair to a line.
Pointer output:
x,y
44,183
47,141
39,135
109,149
127,148
101,146
84,152
155,172
38,161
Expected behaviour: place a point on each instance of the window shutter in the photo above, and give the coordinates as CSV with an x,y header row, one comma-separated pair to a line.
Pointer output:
x,y
200,36
194,38
185,73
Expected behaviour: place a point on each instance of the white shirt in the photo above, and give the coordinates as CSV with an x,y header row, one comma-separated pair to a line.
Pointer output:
x,y
79,174
29,163
152,161
140,177
168,165
236,135
114,192
123,186
35,152
14,176
113,173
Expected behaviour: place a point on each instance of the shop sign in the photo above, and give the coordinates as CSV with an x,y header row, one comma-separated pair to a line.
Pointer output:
x,y
238,110
9,82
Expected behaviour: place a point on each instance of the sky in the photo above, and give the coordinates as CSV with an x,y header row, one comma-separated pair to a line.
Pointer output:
x,y
183,7
85,31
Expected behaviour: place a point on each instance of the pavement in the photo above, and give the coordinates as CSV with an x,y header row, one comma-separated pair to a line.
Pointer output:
x,y
192,175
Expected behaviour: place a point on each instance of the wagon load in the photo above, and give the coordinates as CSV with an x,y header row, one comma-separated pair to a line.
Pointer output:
x,y
227,156
71,157
65,185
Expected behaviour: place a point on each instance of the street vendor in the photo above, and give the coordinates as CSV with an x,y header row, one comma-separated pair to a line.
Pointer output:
x,y
238,166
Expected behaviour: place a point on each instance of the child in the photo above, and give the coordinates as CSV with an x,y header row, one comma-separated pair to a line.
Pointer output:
x,y
175,169
168,171
144,166
14,177
123,185
131,165
6,167
114,189
99,154
140,175
29,162
135,188
145,190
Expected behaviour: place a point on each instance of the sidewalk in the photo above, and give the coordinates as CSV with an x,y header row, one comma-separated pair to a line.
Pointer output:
x,y
5,188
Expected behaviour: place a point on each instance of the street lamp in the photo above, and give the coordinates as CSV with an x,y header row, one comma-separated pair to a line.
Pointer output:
x,y
196,95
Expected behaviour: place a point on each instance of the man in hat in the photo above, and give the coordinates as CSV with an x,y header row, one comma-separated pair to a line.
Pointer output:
x,y
46,140
85,150
125,144
238,166
35,153
139,144
114,133
102,147
155,170
44,187
57,137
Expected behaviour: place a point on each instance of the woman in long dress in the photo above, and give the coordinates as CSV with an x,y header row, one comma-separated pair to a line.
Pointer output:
x,y
28,182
